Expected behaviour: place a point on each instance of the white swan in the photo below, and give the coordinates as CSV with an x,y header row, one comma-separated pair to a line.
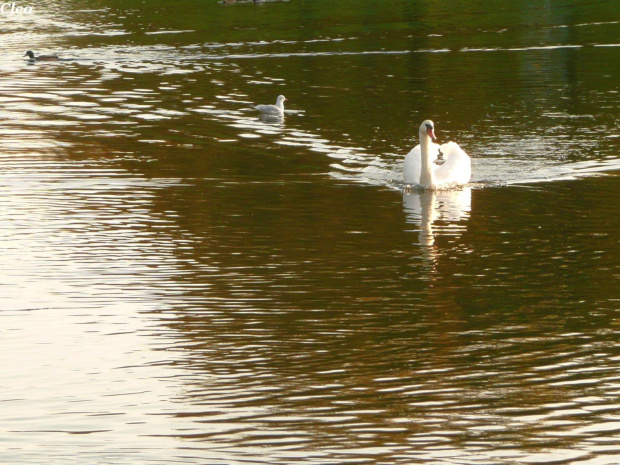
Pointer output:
x,y
420,166
277,109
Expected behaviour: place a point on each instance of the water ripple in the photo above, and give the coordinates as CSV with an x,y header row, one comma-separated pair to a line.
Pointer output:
x,y
185,281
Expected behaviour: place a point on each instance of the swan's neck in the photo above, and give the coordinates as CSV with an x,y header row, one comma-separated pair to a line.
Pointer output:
x,y
427,174
280,105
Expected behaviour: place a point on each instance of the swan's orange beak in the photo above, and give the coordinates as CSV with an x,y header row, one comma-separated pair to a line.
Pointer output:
x,y
431,133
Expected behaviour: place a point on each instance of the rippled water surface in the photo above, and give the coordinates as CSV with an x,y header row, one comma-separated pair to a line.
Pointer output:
x,y
184,282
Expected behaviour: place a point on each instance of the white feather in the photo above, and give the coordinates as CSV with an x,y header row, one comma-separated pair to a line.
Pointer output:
x,y
456,169
277,109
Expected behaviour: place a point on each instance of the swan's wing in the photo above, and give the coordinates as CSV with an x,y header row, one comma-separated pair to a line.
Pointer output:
x,y
413,163
457,167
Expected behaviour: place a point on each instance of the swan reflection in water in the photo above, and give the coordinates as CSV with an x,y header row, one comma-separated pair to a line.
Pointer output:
x,y
437,213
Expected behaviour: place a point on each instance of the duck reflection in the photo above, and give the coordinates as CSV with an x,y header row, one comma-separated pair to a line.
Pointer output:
x,y
437,212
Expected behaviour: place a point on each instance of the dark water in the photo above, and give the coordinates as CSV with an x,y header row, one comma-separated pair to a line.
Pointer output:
x,y
183,282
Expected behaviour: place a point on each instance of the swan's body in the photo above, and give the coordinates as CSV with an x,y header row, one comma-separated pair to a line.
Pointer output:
x,y
31,57
420,166
277,109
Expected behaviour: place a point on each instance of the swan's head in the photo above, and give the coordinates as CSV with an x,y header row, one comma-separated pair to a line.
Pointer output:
x,y
427,128
29,54
280,99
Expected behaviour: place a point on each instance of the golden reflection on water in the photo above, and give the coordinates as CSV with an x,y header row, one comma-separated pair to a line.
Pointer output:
x,y
184,281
